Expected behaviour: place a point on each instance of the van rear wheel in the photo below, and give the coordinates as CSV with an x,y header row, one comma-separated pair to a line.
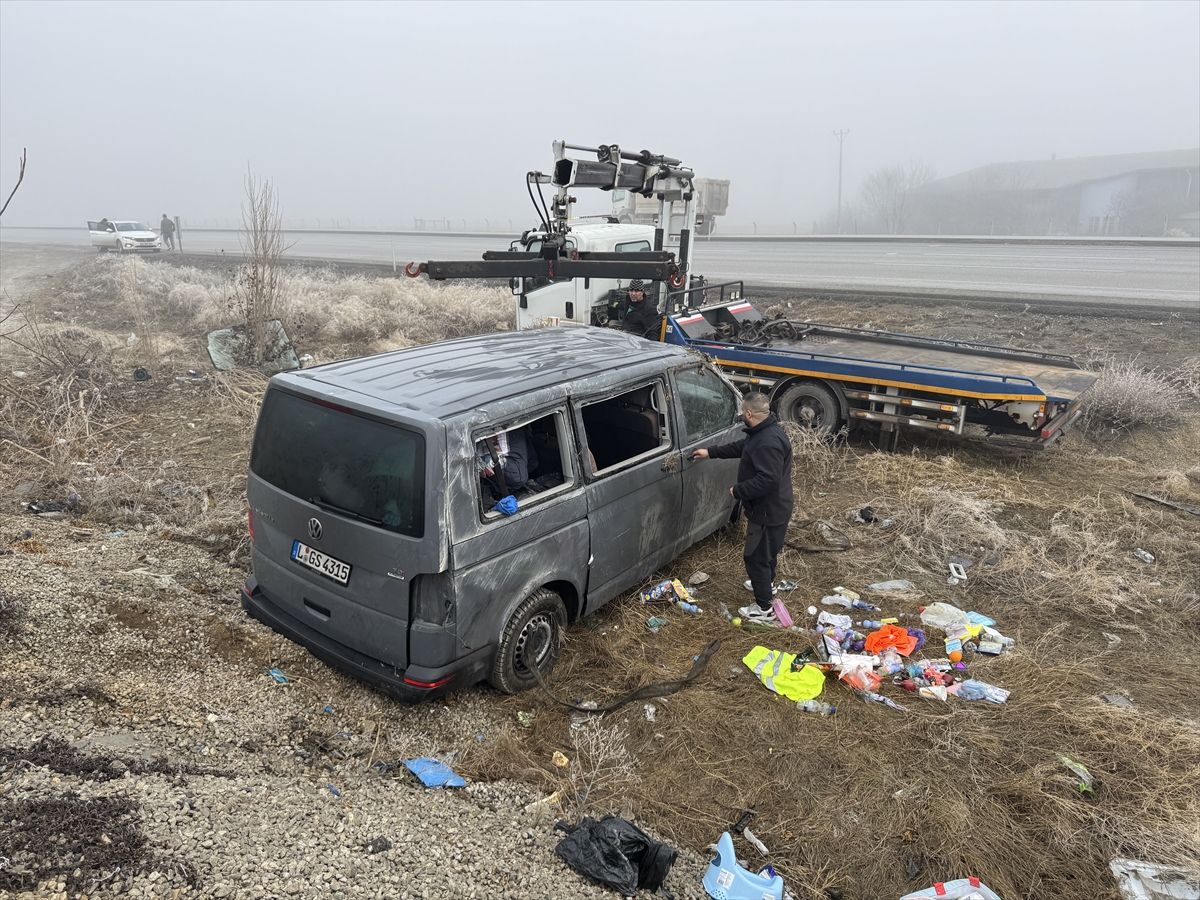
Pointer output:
x,y
531,639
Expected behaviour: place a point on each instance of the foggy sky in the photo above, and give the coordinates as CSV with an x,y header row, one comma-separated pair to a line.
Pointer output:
x,y
376,114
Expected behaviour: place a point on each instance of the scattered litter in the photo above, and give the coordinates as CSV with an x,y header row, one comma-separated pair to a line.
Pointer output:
x,y
898,584
1086,780
872,697
333,790
140,374
959,889
654,623
755,842
1143,555
781,613
725,878
669,591
617,854
277,675
787,585
650,712
228,346
525,719
433,773
978,690
378,845
539,807
958,574
865,516
1147,881
698,578
1117,700
785,673
560,759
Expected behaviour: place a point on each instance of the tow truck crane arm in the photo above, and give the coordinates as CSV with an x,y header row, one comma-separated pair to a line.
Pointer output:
x,y
643,172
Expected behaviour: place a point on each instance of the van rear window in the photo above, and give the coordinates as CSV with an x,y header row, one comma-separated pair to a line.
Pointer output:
x,y
342,461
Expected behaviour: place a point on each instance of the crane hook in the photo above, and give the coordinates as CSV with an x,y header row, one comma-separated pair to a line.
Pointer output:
x,y
413,273
676,280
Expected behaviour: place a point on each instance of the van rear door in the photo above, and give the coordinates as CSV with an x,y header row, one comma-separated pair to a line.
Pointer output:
x,y
342,523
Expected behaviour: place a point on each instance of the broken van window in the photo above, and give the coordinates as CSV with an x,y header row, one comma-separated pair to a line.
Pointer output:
x,y
708,404
526,462
347,463
626,427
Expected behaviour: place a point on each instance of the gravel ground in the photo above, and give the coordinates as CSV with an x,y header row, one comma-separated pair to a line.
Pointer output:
x,y
106,649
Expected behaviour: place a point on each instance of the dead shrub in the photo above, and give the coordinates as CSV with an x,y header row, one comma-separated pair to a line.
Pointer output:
x,y
601,772
1128,396
815,458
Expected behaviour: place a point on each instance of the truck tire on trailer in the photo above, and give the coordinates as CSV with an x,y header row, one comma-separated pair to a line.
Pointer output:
x,y
531,637
810,404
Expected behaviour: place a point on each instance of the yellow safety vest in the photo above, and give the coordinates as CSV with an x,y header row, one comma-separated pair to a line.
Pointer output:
x,y
774,669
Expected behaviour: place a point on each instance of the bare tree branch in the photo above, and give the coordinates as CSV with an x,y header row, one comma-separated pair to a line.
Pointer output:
x,y
886,192
20,178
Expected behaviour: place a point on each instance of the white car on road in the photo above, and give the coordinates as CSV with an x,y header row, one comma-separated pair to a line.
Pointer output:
x,y
122,236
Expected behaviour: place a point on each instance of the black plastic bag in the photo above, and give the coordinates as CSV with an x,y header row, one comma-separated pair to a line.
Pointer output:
x,y
616,853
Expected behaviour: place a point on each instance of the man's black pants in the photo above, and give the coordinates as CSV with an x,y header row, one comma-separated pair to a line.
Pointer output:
x,y
763,543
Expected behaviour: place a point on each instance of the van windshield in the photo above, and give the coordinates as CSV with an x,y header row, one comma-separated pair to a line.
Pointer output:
x,y
342,461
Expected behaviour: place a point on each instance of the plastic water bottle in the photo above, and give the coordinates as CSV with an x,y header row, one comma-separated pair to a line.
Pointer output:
x,y
815,706
863,604
688,607
872,623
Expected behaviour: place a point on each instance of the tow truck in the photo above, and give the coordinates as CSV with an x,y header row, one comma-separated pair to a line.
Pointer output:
x,y
571,272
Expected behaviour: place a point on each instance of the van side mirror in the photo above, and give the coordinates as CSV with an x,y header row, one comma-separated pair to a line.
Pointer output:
x,y
514,284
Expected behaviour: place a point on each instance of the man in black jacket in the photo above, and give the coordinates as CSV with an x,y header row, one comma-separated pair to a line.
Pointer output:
x,y
641,315
764,486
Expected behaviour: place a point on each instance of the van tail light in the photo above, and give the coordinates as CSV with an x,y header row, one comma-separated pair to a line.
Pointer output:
x,y
428,684
250,522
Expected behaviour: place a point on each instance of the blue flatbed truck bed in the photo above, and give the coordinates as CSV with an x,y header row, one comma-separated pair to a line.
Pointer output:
x,y
826,376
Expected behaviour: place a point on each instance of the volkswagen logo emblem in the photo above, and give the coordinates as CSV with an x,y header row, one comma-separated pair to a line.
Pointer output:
x,y
314,528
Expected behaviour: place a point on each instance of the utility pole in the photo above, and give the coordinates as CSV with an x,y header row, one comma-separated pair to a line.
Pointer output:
x,y
841,138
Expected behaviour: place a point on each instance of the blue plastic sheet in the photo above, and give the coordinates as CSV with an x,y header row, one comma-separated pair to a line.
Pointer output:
x,y
433,773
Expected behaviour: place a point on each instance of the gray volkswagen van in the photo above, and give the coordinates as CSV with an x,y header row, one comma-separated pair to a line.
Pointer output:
x,y
431,517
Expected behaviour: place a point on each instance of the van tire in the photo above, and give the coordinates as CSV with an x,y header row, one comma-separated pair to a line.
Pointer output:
x,y
532,635
810,404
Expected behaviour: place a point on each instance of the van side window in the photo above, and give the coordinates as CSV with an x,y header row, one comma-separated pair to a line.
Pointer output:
x,y
634,247
627,427
525,461
708,404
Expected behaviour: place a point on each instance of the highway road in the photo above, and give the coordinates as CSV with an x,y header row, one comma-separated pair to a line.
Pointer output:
x,y
1160,276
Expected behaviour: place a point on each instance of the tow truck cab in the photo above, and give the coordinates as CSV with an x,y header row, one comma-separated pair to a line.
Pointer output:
x,y
579,301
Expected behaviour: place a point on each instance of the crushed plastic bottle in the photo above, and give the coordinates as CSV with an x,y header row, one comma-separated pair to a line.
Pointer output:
x,y
836,600
689,607
898,584
816,706
1144,555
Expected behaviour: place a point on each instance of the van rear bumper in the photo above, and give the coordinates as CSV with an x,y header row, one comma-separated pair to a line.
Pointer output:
x,y
412,685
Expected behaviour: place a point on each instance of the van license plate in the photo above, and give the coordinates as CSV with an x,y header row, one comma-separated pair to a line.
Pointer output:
x,y
319,562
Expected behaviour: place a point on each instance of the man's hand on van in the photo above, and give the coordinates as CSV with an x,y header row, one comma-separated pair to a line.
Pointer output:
x,y
700,453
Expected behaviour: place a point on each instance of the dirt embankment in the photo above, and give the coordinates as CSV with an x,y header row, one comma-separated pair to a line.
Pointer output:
x,y
146,745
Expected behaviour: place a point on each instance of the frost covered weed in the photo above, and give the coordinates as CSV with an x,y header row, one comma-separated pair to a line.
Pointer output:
x,y
327,313
1127,396
602,771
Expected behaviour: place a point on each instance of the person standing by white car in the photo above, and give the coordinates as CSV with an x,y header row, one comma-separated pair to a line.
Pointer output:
x,y
167,227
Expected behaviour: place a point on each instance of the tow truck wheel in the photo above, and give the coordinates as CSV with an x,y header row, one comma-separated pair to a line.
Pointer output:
x,y
531,639
810,405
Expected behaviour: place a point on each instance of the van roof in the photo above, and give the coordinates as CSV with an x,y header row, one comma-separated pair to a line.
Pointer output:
x,y
460,375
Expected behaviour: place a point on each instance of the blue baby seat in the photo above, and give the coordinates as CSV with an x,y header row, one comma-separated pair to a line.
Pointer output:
x,y
726,880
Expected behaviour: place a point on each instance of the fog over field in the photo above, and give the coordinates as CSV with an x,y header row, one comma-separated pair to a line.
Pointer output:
x,y
374,115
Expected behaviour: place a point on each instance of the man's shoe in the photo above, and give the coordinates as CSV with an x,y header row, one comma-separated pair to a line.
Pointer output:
x,y
748,586
755,613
